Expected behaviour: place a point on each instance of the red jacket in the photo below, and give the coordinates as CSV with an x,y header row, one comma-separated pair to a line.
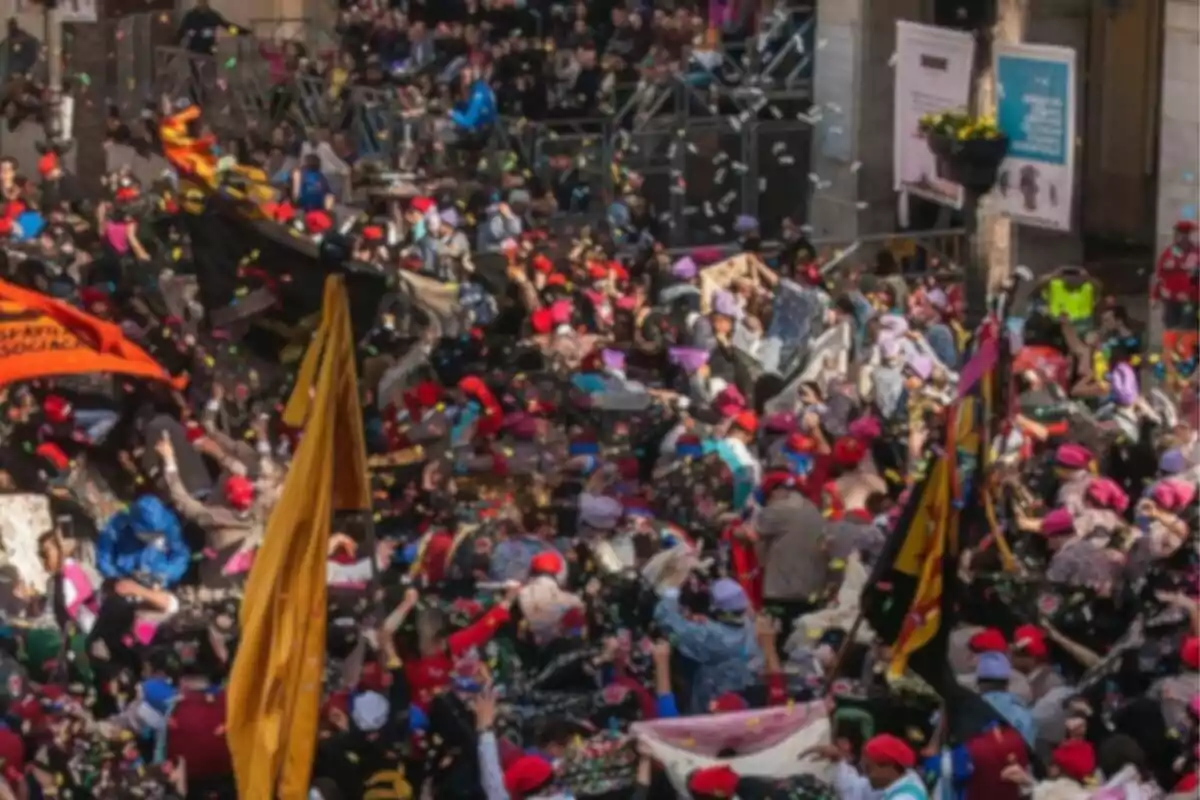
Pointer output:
x,y
196,733
427,676
1176,275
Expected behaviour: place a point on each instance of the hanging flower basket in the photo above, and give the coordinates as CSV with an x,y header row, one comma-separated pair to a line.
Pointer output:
x,y
974,163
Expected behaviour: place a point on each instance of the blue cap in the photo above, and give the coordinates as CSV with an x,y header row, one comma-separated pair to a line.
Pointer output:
x,y
993,667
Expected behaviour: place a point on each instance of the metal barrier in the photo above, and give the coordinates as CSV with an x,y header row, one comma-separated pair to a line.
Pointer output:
x,y
704,152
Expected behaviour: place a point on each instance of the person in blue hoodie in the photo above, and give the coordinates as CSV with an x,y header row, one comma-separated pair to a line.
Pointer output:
x,y
142,553
479,113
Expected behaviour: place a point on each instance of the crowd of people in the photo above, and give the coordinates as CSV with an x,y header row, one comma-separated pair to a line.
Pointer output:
x,y
630,509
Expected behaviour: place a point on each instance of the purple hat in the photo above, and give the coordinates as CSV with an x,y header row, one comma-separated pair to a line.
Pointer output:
x,y
689,359
993,667
1172,462
724,304
612,359
449,217
684,269
728,596
922,366
744,224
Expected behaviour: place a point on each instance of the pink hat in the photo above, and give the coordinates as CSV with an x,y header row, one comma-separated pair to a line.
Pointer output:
x,y
1173,495
1105,493
729,403
780,422
865,428
1058,522
1072,456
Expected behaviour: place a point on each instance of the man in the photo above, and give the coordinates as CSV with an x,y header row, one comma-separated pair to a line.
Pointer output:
x,y
1177,287
479,113
198,29
887,765
723,647
992,674
1031,658
793,550
991,640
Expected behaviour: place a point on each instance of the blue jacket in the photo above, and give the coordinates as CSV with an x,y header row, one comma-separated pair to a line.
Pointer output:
x,y
480,111
1015,714
727,657
146,542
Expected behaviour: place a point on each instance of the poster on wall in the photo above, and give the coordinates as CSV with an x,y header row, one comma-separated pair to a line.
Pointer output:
x,y
933,74
1035,108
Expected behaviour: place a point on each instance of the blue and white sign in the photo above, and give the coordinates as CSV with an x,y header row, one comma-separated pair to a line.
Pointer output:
x,y
1035,108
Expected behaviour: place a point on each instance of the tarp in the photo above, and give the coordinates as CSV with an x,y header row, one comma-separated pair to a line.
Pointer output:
x,y
42,337
768,742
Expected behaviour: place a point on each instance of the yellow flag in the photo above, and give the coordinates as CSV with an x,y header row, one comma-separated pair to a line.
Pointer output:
x,y
276,682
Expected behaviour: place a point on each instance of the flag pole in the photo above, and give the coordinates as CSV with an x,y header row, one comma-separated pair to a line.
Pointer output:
x,y
851,635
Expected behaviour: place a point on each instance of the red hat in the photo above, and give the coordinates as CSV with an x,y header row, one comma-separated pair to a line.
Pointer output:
x,y
56,409
239,492
54,454
1072,456
542,320
557,279
716,781
988,640
547,562
422,204
619,271
1105,493
543,264
527,775
285,212
47,163
317,222
422,397
777,479
1029,639
1076,758
747,421
12,756
372,233
888,749
799,443
849,452
597,271
1185,226
126,193
1189,652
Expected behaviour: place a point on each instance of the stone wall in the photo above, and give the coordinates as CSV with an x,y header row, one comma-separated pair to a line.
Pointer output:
x,y
1179,134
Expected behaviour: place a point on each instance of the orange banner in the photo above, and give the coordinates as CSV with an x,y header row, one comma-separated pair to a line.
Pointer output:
x,y
42,337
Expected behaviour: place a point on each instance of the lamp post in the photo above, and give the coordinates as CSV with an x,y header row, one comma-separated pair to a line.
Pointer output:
x,y
990,234
52,37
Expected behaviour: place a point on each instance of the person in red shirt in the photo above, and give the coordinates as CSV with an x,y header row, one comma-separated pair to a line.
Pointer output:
x,y
1177,286
432,669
